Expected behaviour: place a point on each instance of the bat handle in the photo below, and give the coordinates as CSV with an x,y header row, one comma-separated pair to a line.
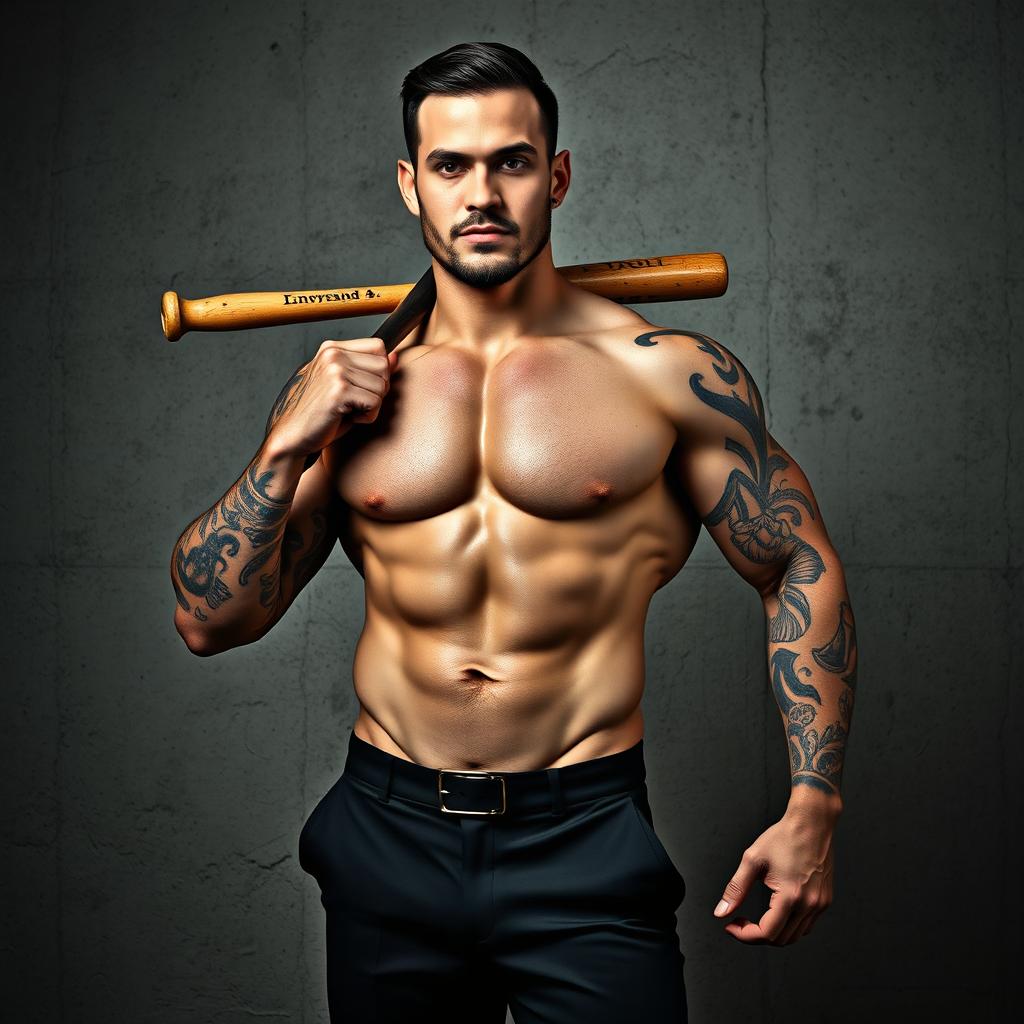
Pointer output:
x,y
410,312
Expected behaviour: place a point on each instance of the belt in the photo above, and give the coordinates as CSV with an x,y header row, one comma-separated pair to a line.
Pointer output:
x,y
490,793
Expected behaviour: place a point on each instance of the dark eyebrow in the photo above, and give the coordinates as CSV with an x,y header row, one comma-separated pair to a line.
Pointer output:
x,y
442,155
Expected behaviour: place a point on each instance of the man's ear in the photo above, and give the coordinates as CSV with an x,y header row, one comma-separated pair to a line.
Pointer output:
x,y
561,175
407,186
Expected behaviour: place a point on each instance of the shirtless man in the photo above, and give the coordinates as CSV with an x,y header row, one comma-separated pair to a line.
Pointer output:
x,y
514,483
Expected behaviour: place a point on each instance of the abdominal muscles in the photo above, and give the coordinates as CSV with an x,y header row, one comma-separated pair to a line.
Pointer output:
x,y
507,639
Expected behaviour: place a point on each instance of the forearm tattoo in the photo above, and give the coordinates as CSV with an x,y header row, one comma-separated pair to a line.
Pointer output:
x,y
246,510
816,759
839,655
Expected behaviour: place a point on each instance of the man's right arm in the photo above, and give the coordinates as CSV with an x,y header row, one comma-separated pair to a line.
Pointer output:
x,y
238,566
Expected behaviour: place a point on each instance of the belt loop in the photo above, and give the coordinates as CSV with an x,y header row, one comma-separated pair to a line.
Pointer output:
x,y
387,781
557,807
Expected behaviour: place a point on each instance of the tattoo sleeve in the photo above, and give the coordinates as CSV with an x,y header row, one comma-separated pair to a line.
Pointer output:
x,y
767,515
226,567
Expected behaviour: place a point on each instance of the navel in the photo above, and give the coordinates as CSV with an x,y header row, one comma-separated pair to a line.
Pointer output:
x,y
471,674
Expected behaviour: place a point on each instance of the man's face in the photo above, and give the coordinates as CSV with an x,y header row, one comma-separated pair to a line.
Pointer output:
x,y
482,160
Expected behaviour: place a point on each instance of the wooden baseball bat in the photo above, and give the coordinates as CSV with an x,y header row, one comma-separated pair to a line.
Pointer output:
x,y
701,275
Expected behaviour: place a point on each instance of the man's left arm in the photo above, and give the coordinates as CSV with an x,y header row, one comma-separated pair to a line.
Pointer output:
x,y
759,508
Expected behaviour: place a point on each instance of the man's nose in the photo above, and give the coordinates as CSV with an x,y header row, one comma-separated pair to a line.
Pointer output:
x,y
481,191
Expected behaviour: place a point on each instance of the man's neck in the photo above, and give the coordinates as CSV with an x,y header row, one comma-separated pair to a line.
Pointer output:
x,y
528,303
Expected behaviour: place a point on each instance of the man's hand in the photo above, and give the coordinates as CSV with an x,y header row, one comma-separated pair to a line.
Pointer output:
x,y
344,383
794,857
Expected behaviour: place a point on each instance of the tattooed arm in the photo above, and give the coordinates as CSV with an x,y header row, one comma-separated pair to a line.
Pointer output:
x,y
758,507
237,567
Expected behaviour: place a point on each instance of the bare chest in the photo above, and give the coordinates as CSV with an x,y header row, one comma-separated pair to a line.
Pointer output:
x,y
559,429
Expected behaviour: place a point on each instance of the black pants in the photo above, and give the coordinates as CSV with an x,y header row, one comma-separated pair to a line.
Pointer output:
x,y
563,906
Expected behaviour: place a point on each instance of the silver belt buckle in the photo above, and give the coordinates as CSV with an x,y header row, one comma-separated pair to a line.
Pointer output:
x,y
471,774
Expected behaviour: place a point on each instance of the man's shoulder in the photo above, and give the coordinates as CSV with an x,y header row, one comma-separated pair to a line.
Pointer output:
x,y
660,359
627,334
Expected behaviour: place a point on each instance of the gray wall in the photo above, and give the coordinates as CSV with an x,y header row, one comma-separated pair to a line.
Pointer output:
x,y
858,164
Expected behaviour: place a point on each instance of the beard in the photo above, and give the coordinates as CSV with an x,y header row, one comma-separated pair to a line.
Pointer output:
x,y
484,270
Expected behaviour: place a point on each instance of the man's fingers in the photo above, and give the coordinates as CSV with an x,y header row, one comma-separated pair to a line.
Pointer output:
x,y
771,925
786,920
812,902
738,886
794,927
778,915
367,380
745,930
353,344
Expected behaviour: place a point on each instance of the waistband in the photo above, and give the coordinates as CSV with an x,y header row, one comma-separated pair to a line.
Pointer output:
x,y
461,792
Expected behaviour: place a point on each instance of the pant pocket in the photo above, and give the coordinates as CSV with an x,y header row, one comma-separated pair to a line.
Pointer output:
x,y
310,847
645,822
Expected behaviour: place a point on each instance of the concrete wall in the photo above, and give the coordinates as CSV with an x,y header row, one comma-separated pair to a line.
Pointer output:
x,y
860,165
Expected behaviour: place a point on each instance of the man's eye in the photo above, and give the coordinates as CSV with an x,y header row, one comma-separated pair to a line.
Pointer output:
x,y
518,161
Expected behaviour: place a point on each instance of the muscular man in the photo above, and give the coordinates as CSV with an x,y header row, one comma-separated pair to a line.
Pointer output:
x,y
514,483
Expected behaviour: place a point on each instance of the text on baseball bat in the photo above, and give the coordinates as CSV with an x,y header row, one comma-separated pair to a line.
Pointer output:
x,y
653,261
314,297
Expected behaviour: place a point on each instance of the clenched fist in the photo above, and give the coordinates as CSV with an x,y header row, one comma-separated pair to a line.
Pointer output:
x,y
344,383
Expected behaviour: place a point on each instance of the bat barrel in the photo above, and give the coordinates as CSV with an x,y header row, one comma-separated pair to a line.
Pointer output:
x,y
698,275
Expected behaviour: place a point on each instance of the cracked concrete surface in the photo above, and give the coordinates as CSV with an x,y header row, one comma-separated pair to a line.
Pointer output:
x,y
859,165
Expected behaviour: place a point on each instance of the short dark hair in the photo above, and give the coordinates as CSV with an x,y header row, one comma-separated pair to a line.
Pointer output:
x,y
467,68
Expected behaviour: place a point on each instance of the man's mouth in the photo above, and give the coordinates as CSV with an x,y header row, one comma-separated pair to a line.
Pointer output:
x,y
484,231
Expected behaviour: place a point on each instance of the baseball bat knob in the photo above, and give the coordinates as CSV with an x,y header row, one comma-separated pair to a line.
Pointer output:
x,y
170,316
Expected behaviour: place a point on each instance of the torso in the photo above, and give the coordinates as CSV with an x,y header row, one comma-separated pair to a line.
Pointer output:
x,y
512,513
